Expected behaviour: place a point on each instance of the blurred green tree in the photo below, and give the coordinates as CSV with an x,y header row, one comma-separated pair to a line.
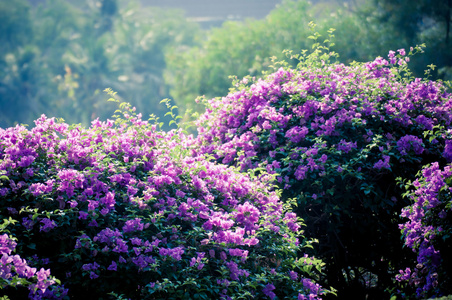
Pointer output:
x,y
16,58
364,30
15,27
235,49
136,53
423,21
58,57
412,17
359,34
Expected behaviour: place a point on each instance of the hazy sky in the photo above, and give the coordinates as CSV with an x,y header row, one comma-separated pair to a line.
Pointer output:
x,y
219,8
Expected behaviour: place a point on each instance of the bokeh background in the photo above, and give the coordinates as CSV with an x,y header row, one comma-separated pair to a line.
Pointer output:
x,y
58,56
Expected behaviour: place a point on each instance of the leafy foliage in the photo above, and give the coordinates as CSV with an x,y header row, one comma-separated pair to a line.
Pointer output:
x,y
121,209
337,137
428,230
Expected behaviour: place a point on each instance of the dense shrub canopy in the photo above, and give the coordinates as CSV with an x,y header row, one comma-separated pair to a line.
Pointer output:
x,y
428,228
337,137
121,209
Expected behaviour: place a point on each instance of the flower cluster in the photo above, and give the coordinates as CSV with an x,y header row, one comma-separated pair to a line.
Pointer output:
x,y
427,230
123,208
336,137
15,271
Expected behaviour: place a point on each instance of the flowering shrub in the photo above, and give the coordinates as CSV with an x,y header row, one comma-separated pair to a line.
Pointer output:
x,y
428,229
336,137
122,210
15,271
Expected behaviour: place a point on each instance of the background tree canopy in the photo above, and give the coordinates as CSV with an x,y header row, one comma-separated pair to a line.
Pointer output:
x,y
364,30
57,57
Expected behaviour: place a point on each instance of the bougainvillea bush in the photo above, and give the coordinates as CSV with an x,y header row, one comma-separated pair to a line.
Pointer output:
x,y
428,229
120,210
337,137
